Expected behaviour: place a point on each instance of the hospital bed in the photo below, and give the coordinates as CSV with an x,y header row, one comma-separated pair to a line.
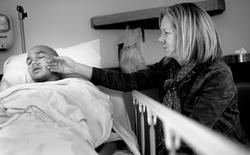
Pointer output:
x,y
16,74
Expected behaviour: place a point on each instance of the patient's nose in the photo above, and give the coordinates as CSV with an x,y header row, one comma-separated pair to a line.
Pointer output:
x,y
34,62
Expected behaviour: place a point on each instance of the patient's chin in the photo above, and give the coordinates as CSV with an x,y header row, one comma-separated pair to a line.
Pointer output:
x,y
37,78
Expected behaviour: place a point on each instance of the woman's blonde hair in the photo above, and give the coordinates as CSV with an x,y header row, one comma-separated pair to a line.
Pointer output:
x,y
197,37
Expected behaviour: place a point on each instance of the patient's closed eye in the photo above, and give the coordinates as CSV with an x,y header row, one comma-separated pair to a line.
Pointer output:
x,y
37,60
28,61
41,55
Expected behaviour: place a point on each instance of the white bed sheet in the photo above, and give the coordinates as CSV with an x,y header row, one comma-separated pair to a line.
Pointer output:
x,y
81,119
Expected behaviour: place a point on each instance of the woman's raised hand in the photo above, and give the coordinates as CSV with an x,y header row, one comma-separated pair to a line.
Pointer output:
x,y
61,64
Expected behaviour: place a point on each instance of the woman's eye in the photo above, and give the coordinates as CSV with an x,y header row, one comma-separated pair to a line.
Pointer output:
x,y
166,33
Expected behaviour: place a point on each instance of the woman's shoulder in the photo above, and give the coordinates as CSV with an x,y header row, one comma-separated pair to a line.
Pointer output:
x,y
218,65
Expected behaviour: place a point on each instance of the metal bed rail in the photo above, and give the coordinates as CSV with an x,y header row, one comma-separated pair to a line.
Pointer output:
x,y
176,128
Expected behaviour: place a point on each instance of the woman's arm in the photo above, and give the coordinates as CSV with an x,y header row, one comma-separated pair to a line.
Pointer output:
x,y
140,80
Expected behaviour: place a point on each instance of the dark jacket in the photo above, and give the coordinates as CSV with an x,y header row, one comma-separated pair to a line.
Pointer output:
x,y
210,88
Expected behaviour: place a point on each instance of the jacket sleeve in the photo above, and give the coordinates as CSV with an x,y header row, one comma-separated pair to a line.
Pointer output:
x,y
140,80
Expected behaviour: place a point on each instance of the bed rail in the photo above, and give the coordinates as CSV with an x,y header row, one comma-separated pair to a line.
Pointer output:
x,y
177,127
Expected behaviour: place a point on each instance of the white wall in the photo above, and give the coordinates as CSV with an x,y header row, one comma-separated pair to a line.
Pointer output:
x,y
63,23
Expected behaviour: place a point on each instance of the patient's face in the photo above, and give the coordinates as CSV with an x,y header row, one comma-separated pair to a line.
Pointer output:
x,y
36,60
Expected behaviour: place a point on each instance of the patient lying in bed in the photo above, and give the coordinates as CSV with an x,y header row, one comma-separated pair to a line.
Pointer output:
x,y
54,116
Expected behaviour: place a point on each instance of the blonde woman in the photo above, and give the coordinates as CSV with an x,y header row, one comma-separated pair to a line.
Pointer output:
x,y
192,79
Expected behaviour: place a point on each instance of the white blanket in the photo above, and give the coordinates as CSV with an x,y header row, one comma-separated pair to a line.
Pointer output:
x,y
77,118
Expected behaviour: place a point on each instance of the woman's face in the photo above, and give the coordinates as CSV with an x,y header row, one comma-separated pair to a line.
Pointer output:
x,y
168,38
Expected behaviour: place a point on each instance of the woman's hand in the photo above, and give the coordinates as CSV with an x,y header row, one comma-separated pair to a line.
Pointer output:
x,y
61,64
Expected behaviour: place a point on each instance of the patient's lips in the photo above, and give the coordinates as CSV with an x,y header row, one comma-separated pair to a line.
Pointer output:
x,y
36,69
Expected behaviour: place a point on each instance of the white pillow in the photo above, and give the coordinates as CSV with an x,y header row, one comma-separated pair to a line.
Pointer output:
x,y
15,69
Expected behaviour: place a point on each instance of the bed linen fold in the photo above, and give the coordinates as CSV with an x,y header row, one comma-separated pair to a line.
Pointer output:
x,y
80,118
68,117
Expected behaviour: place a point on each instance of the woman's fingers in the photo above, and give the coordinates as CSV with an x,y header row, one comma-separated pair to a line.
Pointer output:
x,y
51,60
56,59
60,64
54,69
52,65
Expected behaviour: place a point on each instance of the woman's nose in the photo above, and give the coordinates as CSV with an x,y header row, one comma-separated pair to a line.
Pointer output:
x,y
161,40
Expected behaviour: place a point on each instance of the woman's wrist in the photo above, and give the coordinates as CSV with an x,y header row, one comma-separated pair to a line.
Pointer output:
x,y
83,70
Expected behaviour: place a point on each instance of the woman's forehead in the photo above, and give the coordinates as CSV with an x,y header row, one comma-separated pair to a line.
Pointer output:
x,y
166,23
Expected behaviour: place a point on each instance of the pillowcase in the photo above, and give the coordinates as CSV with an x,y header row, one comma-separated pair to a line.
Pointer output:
x,y
15,69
